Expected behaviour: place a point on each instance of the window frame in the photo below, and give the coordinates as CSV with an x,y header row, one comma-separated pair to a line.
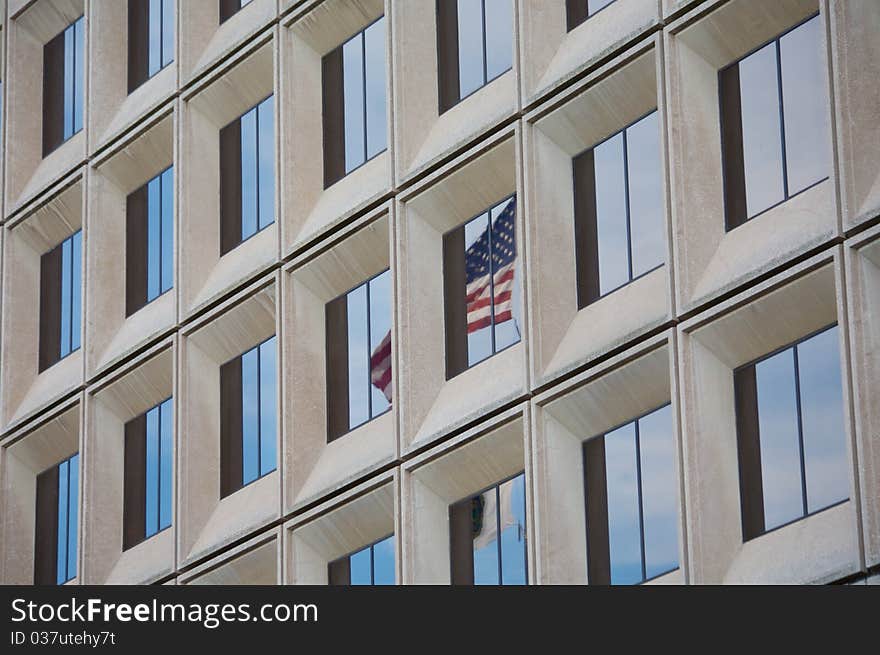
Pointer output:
x,y
53,103
135,482
137,291
452,340
454,544
448,55
333,107
750,475
52,300
733,181
47,528
233,195
595,574
341,566
332,339
584,298
139,41
231,439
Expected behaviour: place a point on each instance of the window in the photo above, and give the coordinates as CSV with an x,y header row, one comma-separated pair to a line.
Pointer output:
x,y
247,417
149,220
774,123
60,300
632,515
63,86
577,11
618,209
373,565
488,536
148,474
790,434
358,355
150,39
354,103
247,175
57,516
481,290
474,46
229,7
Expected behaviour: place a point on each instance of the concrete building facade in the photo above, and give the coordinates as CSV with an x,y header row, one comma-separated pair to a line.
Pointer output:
x,y
674,336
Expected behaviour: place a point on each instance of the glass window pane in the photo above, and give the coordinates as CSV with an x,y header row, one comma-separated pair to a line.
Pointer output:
x,y
478,292
805,106
383,562
79,67
780,449
167,230
762,140
506,282
646,216
374,42
659,492
380,341
268,446
249,174
154,238
611,214
595,5
624,537
63,504
72,515
512,499
69,89
167,32
499,37
166,463
361,570
66,294
470,46
825,457
266,148
250,416
152,473
353,99
485,539
155,41
76,294
358,358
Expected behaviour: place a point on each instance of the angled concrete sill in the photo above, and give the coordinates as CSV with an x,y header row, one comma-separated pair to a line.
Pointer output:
x,y
438,478
27,171
208,41
112,336
108,408
55,439
205,521
254,562
431,405
310,209
314,467
711,261
631,385
343,526
424,136
563,337
204,274
818,548
552,55
26,390
862,255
